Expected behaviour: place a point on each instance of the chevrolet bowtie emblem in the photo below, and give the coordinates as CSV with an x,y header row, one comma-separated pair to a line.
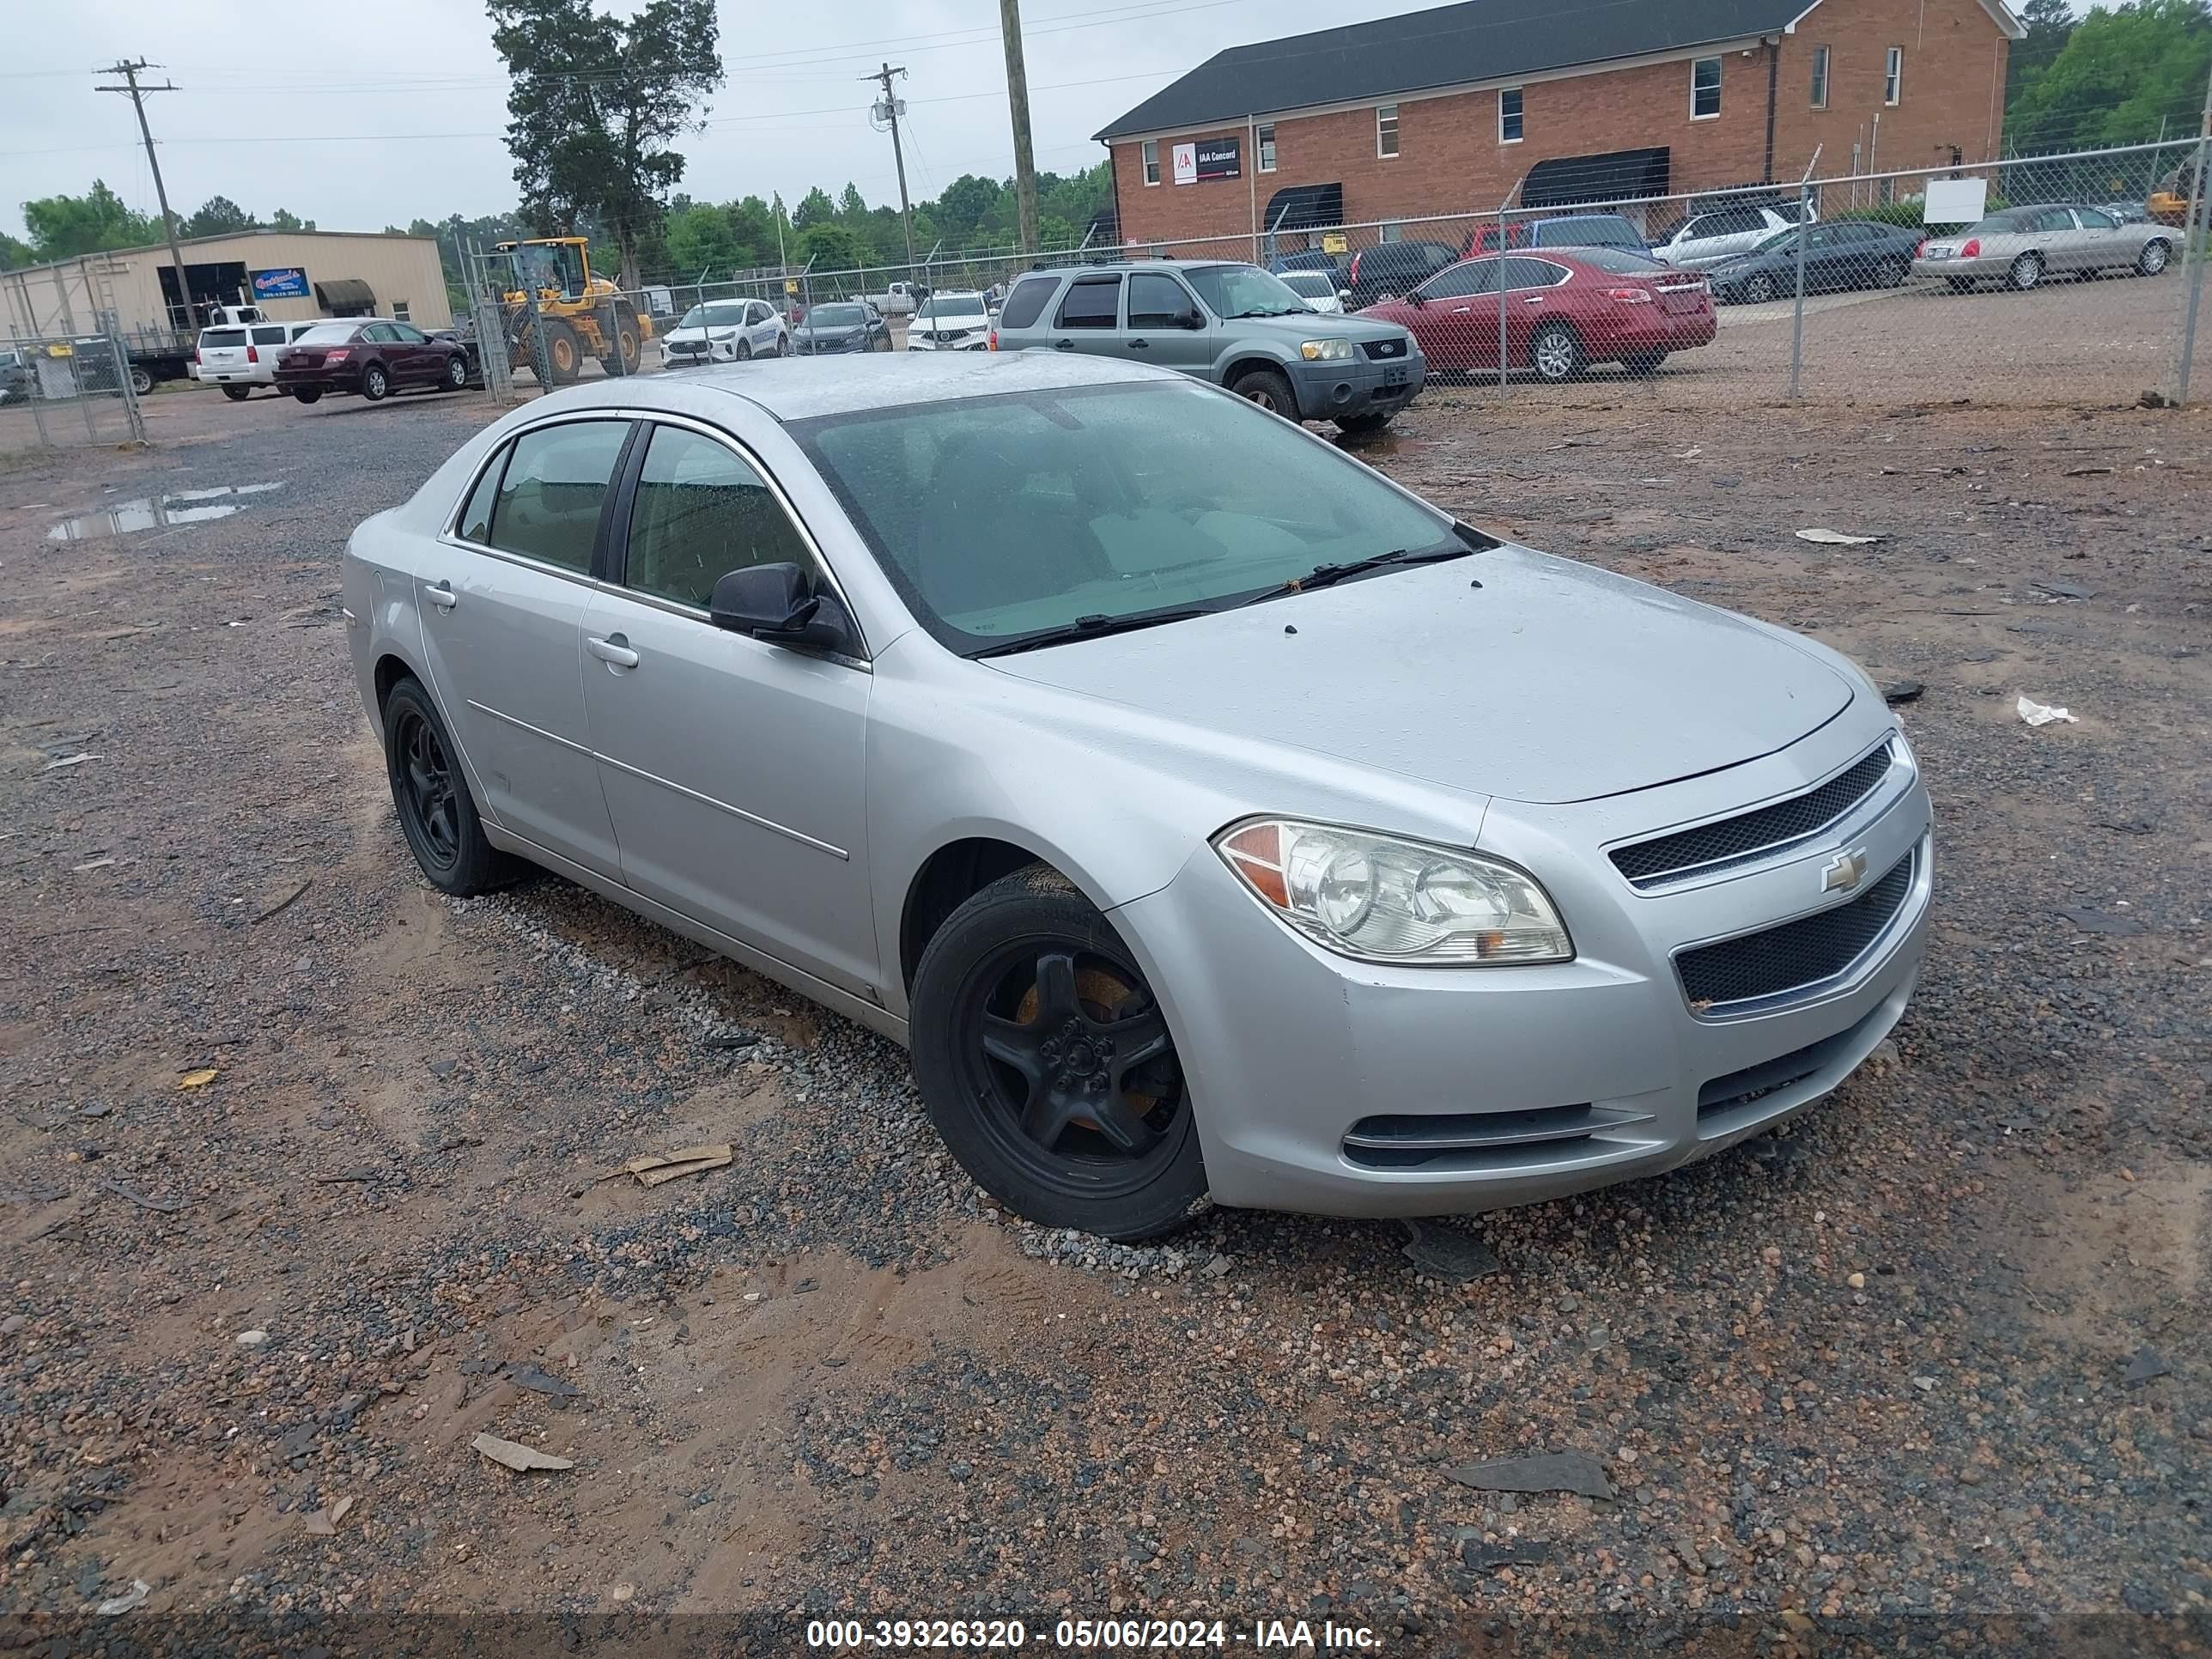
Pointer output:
x,y
1844,872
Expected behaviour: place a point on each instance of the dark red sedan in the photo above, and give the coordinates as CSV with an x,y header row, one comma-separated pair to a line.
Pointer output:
x,y
1565,309
373,357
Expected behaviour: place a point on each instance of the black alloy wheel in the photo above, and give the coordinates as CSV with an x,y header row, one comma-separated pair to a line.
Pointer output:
x,y
429,796
437,814
1046,1064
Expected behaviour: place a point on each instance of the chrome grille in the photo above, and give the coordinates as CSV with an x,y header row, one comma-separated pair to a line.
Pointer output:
x,y
1796,954
1712,847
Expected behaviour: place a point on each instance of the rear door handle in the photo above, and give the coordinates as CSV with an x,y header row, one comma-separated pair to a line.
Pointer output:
x,y
1140,345
441,595
613,649
1063,345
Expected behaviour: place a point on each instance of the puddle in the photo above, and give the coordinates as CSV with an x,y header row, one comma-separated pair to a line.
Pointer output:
x,y
157,512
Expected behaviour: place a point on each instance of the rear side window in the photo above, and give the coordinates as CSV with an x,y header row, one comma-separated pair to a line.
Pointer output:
x,y
1533,273
1090,303
475,517
1026,303
549,502
223,337
269,336
702,510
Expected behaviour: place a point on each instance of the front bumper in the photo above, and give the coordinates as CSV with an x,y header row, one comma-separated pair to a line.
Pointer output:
x,y
1547,1081
806,347
1357,386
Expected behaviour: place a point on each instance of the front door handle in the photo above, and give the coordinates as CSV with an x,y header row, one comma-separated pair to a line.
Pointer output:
x,y
1534,300
613,649
1462,311
1140,345
441,595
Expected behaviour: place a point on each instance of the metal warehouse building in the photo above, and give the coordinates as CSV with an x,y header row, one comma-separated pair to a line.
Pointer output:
x,y
292,275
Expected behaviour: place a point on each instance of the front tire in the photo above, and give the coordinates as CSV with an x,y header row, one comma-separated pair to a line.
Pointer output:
x,y
743,353
1047,1064
1361,426
238,394
1891,273
456,373
1270,389
2155,256
2024,273
375,383
437,814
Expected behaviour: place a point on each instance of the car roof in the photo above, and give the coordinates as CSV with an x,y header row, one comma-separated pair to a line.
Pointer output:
x,y
801,388
1117,267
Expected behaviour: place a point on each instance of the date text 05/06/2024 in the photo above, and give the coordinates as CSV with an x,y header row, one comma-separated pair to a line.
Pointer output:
x,y
1094,1635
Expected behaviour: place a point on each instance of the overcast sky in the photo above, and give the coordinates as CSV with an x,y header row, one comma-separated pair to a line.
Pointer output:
x,y
360,116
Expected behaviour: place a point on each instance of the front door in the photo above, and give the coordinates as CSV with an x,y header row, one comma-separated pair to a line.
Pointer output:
x,y
733,767
503,608
1456,321
1159,331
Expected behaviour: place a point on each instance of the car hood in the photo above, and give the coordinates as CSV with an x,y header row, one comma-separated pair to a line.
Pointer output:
x,y
1552,682
844,331
694,336
1293,330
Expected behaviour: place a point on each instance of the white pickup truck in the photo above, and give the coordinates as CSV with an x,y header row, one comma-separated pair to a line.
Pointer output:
x,y
899,299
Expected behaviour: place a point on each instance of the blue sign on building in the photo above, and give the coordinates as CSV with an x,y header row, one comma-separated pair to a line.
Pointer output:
x,y
289,283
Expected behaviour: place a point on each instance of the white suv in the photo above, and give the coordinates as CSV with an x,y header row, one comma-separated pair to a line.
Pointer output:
x,y
951,322
240,356
1706,239
726,331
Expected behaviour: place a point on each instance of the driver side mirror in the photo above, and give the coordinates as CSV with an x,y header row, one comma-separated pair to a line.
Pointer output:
x,y
1190,319
778,603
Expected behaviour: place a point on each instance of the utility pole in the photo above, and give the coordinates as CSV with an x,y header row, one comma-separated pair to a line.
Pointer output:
x,y
888,112
1017,100
129,72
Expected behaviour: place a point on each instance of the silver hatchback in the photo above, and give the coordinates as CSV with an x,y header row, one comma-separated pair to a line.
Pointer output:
x,y
1208,814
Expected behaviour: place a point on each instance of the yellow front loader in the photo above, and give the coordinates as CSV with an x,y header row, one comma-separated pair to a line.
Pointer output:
x,y
574,311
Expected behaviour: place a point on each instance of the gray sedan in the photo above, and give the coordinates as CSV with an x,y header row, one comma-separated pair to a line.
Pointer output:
x,y
1208,814
2021,245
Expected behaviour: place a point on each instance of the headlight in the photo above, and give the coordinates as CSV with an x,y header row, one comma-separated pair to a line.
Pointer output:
x,y
1381,899
1325,351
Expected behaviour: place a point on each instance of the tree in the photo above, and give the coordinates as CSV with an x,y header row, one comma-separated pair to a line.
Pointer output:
x,y
285,219
752,225
700,238
2120,73
2049,23
832,248
815,208
13,255
595,103
63,227
218,216
850,204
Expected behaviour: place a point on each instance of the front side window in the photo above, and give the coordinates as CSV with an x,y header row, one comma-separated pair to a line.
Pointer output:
x,y
1475,276
549,501
1509,116
1090,303
1002,518
1893,85
701,512
407,334
1820,77
380,334
1704,88
1151,154
1027,302
1386,130
1157,301
2093,219
1267,146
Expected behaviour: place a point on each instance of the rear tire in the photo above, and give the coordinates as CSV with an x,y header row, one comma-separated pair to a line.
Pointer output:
x,y
375,383
238,394
1891,273
1758,290
437,814
142,380
2024,273
1269,388
1556,355
307,394
1045,1061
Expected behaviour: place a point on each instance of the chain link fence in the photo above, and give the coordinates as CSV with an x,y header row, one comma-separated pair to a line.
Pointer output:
x,y
65,392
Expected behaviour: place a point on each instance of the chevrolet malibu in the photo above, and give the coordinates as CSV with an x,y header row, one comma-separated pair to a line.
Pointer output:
x,y
1208,814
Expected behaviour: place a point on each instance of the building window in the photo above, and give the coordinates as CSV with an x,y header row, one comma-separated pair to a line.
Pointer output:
x,y
1509,116
399,311
1704,88
1390,234
1267,146
1151,152
1893,85
1820,77
1386,130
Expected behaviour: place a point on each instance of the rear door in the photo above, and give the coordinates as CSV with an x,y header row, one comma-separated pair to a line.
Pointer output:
x,y
1089,318
268,340
1529,302
732,767
503,602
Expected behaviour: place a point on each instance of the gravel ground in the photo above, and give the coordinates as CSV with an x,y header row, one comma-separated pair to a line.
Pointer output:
x,y
1926,1373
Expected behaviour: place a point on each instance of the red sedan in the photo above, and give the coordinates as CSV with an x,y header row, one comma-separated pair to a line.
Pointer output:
x,y
1565,309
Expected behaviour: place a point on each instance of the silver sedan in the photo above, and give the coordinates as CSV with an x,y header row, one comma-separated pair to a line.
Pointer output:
x,y
2021,245
1208,814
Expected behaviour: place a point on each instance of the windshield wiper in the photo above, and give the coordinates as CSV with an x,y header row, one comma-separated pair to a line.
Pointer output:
x,y
1087,628
1325,575
1270,311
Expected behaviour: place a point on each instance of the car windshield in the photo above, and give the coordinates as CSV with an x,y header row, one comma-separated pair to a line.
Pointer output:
x,y
836,317
948,307
1314,284
327,334
1781,238
1244,291
714,316
998,519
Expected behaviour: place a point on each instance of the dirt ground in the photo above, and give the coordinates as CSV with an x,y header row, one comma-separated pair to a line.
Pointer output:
x,y
298,1161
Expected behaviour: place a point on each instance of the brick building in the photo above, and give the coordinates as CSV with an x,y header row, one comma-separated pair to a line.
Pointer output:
x,y
1444,110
